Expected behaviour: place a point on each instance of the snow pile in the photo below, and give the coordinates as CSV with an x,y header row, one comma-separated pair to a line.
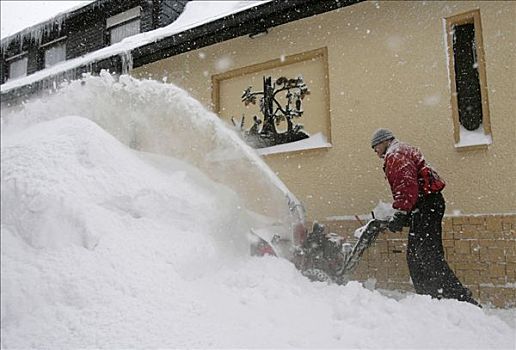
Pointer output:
x,y
86,222
105,246
160,118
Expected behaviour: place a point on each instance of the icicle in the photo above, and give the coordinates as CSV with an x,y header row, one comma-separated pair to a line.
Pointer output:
x,y
71,74
89,68
35,33
38,31
127,62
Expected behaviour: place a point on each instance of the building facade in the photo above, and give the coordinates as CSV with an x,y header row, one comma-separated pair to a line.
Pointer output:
x,y
439,74
81,31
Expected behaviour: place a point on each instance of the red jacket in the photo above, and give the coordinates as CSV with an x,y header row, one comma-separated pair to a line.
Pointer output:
x,y
409,176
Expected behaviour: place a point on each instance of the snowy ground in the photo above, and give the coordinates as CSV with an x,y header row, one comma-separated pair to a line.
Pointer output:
x,y
107,247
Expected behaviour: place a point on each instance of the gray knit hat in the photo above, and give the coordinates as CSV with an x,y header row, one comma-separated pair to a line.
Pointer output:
x,y
381,135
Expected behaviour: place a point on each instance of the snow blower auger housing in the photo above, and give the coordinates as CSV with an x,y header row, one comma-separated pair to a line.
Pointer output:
x,y
323,257
326,257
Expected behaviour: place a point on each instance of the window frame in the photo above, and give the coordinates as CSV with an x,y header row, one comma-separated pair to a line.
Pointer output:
x,y
50,45
19,57
110,31
472,17
122,19
321,53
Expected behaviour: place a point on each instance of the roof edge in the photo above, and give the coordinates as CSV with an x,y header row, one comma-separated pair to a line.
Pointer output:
x,y
61,16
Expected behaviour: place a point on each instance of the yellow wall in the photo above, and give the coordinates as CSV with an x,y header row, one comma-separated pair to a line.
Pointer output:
x,y
387,68
480,249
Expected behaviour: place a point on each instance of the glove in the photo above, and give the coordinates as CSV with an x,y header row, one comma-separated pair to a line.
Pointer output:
x,y
398,221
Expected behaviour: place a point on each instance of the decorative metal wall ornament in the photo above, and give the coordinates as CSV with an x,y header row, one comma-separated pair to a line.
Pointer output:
x,y
263,133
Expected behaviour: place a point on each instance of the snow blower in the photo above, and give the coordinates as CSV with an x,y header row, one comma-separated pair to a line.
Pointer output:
x,y
324,257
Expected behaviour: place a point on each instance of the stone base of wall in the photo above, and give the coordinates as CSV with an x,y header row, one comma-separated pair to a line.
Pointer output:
x,y
480,249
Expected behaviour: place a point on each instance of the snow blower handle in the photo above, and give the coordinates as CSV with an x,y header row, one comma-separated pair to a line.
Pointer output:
x,y
382,224
369,234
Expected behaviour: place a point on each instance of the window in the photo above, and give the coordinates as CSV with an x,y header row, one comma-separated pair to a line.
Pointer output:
x,y
55,54
18,67
123,25
249,118
125,30
468,80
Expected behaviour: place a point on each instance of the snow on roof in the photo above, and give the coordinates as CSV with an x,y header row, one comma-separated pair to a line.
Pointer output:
x,y
196,13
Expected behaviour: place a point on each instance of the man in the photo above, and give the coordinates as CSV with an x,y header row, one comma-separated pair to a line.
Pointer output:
x,y
416,191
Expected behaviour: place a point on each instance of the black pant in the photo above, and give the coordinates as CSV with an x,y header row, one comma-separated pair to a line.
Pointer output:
x,y
428,268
